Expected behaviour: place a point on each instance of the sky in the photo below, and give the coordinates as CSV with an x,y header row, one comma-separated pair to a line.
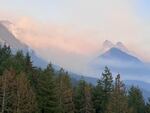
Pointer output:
x,y
70,32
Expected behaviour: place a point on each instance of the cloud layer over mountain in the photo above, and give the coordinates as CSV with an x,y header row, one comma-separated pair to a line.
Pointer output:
x,y
74,30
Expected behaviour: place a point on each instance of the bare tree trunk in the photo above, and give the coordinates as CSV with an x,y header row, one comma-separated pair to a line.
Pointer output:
x,y
4,93
18,97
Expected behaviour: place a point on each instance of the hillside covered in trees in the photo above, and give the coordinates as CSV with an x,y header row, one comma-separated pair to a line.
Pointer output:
x,y
25,88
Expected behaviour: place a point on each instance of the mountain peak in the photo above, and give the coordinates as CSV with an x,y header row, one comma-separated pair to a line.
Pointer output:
x,y
117,55
7,37
121,46
5,22
107,45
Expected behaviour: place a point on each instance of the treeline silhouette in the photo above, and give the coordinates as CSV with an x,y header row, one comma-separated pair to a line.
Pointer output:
x,y
25,88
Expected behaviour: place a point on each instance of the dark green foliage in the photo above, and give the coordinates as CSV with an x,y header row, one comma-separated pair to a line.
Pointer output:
x,y
83,98
5,58
65,92
136,100
46,92
28,89
118,102
106,81
16,94
147,107
28,64
18,62
102,91
97,98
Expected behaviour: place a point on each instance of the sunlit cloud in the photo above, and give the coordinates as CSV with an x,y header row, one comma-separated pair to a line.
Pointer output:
x,y
77,29
40,35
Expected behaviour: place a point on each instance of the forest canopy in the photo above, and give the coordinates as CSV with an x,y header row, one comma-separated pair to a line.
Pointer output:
x,y
25,88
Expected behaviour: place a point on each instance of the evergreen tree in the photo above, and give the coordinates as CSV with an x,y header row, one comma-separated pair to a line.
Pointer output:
x,y
83,98
32,72
65,90
28,89
18,62
28,63
118,102
88,100
97,97
136,100
106,81
102,91
147,107
5,58
16,94
8,91
46,92
25,97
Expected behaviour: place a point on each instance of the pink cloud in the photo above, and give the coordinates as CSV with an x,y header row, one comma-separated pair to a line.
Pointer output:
x,y
40,35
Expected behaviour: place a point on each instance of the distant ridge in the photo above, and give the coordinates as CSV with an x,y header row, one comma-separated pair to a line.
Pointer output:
x,y
120,60
8,38
107,45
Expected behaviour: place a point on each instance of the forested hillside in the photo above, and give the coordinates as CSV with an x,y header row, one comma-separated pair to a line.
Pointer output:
x,y
28,89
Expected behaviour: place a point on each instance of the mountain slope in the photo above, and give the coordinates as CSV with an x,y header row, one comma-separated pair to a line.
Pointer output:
x,y
114,53
118,55
6,37
122,47
122,62
144,86
107,45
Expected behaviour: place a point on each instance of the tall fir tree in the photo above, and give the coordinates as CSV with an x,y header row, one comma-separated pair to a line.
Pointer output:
x,y
89,108
47,92
65,92
18,62
28,63
25,97
102,91
5,58
97,97
28,89
136,100
147,107
118,102
83,98
8,91
16,94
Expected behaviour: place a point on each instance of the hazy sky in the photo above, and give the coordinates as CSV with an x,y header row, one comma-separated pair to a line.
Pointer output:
x,y
70,32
